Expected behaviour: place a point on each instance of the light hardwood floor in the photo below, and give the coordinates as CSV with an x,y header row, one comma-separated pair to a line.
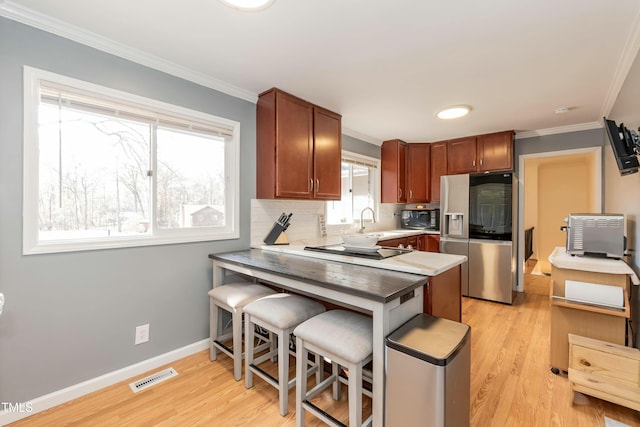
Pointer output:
x,y
538,284
511,385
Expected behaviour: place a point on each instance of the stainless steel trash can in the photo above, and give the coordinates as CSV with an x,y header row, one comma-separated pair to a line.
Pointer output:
x,y
428,373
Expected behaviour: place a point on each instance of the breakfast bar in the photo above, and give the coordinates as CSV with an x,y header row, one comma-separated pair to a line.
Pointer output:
x,y
390,297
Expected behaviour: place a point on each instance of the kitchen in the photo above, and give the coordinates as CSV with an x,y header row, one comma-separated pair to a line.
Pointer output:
x,y
39,289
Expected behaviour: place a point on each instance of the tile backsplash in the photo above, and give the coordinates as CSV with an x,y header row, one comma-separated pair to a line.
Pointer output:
x,y
305,220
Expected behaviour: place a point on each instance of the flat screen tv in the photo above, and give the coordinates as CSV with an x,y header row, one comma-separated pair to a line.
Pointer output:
x,y
625,147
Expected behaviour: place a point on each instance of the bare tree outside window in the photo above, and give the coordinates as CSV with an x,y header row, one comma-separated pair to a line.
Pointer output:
x,y
106,169
95,176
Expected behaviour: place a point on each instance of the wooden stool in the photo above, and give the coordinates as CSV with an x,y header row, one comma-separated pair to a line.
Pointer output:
x,y
345,338
231,297
280,314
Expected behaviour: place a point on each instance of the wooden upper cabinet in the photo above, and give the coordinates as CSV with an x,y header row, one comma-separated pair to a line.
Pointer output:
x,y
299,149
327,154
438,168
495,151
394,171
418,167
482,153
461,155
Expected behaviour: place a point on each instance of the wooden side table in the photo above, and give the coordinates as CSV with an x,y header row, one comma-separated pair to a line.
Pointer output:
x,y
590,321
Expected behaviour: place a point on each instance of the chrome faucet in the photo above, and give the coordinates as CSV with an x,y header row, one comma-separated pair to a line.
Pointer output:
x,y
373,218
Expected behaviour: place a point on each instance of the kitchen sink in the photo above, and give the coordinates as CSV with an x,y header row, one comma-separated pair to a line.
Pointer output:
x,y
382,253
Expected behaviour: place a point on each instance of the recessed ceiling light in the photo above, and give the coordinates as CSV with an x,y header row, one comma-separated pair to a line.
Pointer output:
x,y
248,5
454,112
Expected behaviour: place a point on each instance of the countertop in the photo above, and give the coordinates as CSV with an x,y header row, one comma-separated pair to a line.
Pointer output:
x,y
559,258
416,262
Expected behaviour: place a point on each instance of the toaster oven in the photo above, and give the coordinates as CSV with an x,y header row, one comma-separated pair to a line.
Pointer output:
x,y
595,235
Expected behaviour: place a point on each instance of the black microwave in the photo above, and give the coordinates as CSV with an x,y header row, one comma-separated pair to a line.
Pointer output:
x,y
420,219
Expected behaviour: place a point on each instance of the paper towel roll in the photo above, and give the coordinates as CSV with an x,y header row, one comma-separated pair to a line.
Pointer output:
x,y
594,293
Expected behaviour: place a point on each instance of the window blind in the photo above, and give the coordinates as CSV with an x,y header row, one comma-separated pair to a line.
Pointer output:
x,y
359,162
60,95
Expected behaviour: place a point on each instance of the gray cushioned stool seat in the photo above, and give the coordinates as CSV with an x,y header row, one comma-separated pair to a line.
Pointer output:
x,y
236,295
343,333
279,314
346,339
231,297
284,310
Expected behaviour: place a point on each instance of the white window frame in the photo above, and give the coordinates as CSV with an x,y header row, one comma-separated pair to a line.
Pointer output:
x,y
32,245
376,186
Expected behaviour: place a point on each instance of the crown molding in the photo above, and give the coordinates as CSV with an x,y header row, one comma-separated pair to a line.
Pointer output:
x,y
559,129
627,58
55,26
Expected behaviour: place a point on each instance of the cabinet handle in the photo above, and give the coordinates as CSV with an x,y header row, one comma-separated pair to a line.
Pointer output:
x,y
480,162
411,194
474,164
400,193
317,185
310,184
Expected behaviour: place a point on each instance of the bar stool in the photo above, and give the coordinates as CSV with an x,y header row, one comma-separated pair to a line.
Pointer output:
x,y
345,338
279,314
231,297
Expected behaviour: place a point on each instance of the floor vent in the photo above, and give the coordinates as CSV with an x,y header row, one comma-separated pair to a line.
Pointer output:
x,y
153,379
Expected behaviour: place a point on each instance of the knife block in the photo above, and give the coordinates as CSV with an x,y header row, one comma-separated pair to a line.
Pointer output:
x,y
276,236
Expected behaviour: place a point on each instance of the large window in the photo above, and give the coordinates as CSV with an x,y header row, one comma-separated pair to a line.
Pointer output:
x,y
108,169
359,190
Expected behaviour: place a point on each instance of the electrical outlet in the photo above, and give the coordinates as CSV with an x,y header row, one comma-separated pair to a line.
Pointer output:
x,y
142,334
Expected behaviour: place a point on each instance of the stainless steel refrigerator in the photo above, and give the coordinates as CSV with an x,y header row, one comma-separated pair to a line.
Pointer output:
x,y
478,219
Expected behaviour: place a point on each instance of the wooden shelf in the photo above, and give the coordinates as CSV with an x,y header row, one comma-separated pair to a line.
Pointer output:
x,y
621,312
567,317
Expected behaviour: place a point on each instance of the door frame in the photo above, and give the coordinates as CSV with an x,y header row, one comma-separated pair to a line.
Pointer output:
x,y
597,188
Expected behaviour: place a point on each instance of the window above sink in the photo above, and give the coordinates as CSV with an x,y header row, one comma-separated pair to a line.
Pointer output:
x,y
360,189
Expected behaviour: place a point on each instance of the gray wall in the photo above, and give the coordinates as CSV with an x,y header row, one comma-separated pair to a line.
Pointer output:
x,y
354,145
559,142
70,317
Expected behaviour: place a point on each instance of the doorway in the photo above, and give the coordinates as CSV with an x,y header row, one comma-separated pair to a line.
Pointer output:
x,y
551,186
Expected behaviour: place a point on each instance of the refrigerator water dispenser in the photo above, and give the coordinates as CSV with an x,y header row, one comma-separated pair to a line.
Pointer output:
x,y
454,224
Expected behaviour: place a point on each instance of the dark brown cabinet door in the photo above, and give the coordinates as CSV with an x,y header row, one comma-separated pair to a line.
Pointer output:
x,y
444,297
327,154
394,172
432,243
461,155
413,242
418,167
438,168
294,147
495,151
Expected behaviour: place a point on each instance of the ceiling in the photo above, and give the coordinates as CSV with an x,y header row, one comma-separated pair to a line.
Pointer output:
x,y
386,66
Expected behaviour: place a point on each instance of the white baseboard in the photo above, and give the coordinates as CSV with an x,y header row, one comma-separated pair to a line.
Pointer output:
x,y
56,398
